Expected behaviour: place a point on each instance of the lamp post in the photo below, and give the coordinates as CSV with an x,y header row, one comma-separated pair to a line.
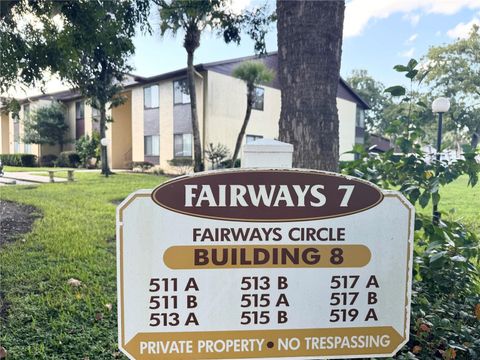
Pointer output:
x,y
105,142
439,106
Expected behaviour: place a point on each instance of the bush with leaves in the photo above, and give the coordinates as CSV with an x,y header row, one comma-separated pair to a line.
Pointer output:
x,y
87,148
445,317
68,159
27,160
216,154
181,165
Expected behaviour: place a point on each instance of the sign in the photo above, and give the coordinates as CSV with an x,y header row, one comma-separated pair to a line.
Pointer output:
x,y
255,264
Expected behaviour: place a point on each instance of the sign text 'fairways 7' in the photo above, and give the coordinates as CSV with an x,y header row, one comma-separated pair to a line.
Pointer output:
x,y
259,196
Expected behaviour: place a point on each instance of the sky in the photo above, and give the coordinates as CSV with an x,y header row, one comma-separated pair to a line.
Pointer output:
x,y
378,34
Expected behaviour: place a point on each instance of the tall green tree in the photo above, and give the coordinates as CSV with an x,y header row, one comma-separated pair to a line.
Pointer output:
x,y
253,73
194,17
309,53
46,126
87,43
454,72
372,91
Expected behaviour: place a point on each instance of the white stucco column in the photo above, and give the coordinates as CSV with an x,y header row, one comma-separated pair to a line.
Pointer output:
x,y
264,153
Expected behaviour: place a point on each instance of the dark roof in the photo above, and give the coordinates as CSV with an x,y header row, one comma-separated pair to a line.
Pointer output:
x,y
64,95
225,67
378,143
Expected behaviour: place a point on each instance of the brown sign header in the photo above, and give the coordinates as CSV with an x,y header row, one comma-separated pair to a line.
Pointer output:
x,y
267,195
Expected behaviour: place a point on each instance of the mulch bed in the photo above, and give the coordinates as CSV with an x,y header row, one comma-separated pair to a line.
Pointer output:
x,y
16,219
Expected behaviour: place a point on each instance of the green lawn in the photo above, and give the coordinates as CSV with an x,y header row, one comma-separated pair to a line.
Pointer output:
x,y
32,169
45,318
460,202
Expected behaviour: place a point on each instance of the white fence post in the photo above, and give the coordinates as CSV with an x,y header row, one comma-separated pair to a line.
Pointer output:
x,y
267,153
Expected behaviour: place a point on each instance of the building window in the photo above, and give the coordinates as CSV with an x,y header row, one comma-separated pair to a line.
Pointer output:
x,y
360,117
150,97
16,147
27,148
181,94
182,145
152,145
252,138
258,98
26,112
79,119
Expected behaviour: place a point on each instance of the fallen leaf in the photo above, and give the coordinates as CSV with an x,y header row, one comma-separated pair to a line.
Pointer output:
x,y
450,354
109,307
74,282
3,352
98,316
477,311
424,328
417,349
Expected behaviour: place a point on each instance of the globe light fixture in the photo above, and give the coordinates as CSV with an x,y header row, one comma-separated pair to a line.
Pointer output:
x,y
105,142
439,106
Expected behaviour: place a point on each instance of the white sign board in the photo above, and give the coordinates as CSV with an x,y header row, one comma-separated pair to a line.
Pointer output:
x,y
255,264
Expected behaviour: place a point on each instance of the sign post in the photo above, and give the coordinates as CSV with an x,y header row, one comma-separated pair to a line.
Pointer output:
x,y
256,264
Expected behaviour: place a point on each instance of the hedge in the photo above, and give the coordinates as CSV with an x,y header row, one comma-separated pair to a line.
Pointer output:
x,y
26,160
68,159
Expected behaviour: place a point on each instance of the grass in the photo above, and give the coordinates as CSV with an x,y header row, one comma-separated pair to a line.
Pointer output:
x,y
32,169
458,201
45,318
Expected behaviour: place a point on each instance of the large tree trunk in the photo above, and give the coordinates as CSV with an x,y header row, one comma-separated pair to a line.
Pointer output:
x,y
241,134
104,152
309,53
197,147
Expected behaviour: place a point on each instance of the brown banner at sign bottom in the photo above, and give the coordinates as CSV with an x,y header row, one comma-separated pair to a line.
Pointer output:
x,y
270,256
264,343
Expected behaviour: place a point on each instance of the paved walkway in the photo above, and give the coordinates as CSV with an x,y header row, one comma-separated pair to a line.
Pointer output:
x,y
30,178
4,182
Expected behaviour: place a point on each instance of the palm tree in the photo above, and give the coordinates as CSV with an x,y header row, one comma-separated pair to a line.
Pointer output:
x,y
193,17
309,53
253,73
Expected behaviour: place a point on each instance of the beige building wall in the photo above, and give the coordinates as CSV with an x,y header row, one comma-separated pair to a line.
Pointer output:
x,y
121,134
70,120
166,123
87,113
346,116
4,133
10,134
226,106
137,123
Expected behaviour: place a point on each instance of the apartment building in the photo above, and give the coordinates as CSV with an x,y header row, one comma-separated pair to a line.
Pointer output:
x,y
154,123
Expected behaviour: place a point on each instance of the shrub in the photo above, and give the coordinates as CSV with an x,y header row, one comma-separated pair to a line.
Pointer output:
x,y
216,154
87,147
228,163
156,170
140,165
48,160
446,280
68,159
181,165
26,160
